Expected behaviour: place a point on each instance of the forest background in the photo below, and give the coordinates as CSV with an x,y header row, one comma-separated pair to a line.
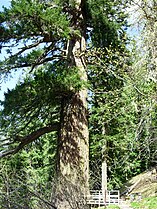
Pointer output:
x,y
121,88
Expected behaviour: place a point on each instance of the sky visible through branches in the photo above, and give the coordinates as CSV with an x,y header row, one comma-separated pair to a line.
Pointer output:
x,y
11,81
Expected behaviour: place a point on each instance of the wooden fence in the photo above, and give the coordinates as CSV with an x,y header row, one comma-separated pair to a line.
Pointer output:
x,y
97,197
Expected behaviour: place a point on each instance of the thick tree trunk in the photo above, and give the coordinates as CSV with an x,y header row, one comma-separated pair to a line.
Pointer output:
x,y
73,152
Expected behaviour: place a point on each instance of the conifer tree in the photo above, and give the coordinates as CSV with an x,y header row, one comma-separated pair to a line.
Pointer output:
x,y
49,38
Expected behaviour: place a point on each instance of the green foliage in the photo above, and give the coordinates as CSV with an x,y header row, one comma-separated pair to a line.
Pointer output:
x,y
146,203
33,32
27,18
122,115
123,107
38,98
28,173
107,18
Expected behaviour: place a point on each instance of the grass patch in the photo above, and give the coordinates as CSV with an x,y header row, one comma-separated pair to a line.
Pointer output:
x,y
146,203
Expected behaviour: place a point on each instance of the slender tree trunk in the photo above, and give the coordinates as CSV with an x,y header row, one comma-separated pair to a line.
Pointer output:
x,y
104,168
73,152
104,179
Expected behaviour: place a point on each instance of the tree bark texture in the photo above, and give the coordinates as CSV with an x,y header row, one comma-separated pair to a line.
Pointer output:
x,y
73,150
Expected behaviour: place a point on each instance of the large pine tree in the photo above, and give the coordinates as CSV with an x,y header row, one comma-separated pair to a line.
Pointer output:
x,y
48,38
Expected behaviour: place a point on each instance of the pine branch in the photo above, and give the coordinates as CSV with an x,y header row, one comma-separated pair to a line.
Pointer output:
x,y
32,65
42,199
29,138
23,49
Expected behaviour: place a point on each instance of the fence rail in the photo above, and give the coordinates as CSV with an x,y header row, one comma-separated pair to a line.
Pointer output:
x,y
97,197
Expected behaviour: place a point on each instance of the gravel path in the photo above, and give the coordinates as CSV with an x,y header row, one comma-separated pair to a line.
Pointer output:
x,y
125,205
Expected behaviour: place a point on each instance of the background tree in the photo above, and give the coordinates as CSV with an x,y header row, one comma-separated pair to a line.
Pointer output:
x,y
147,64
126,108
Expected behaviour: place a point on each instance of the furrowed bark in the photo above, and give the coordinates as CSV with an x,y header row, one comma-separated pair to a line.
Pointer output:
x,y
73,138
